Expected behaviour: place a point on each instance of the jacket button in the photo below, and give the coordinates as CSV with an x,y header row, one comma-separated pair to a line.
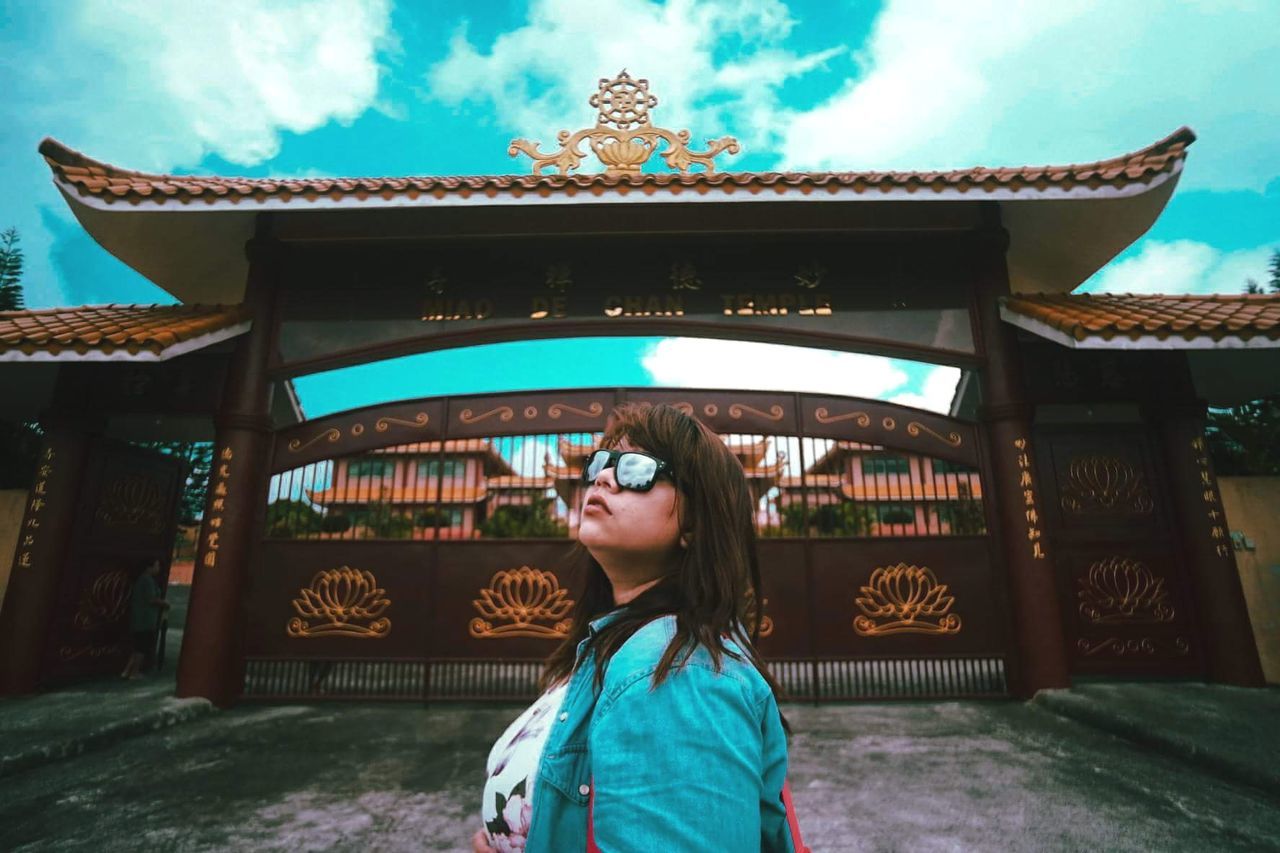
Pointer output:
x,y
564,715
584,789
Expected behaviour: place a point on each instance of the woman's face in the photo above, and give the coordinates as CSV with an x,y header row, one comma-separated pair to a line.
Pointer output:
x,y
630,524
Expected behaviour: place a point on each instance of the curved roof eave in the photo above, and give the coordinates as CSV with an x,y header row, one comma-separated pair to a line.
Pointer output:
x,y
186,233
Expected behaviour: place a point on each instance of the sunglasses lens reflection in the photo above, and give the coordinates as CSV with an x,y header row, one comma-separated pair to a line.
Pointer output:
x,y
635,470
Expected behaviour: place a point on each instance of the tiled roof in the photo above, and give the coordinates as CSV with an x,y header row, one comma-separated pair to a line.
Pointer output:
x,y
113,329
1133,317
110,183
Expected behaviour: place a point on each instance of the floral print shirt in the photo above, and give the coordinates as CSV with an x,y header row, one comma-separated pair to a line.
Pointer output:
x,y
512,769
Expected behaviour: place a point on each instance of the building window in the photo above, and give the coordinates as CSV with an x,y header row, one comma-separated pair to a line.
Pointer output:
x,y
884,465
896,514
445,516
943,466
430,468
370,468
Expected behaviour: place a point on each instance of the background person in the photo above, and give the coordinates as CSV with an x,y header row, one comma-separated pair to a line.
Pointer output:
x,y
145,606
658,727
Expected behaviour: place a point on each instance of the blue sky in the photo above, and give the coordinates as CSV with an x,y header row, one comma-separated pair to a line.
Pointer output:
x,y
265,87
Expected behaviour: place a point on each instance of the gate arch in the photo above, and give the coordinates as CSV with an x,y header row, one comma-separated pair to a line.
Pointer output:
x,y
413,549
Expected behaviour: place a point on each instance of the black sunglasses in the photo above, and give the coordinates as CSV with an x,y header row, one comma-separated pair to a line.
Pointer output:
x,y
632,469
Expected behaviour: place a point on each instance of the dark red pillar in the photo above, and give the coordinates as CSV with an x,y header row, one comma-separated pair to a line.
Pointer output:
x,y
1231,652
210,664
1016,490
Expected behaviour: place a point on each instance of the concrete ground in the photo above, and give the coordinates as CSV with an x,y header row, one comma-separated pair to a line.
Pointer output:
x,y
124,766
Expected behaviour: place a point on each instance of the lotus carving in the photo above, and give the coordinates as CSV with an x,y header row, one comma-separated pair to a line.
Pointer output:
x,y
1122,590
1104,484
103,601
343,602
518,603
132,501
905,599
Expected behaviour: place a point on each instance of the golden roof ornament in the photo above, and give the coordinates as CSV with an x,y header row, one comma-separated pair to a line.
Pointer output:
x,y
623,139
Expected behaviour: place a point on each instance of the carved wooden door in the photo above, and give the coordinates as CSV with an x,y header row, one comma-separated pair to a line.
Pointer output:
x,y
127,517
1120,574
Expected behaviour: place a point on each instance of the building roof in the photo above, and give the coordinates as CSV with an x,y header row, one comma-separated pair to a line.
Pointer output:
x,y
418,494
1064,222
113,185
1149,321
116,332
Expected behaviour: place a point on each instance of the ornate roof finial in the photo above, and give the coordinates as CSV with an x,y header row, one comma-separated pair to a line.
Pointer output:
x,y
623,139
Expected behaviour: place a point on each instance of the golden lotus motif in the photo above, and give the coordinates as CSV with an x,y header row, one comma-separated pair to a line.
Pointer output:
x,y
624,138
905,599
522,598
1118,590
1100,483
347,601
103,601
132,501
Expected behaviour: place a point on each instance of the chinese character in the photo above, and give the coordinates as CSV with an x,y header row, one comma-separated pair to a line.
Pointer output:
x,y
1216,532
45,470
1037,551
227,454
1198,442
1214,514
39,488
1223,550
1020,443
24,559
28,540
218,504
220,490
1023,461
1208,496
210,559
48,454
224,471
1029,497
212,539
1033,534
215,523
1033,517
33,523
1204,478
1025,479
37,504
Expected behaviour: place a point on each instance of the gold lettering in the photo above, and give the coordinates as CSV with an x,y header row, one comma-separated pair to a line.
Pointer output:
x,y
224,471
1033,517
33,523
613,306
24,559
1025,479
746,304
210,559
226,454
45,470
37,504
28,541
1198,443
1033,534
766,303
39,488
675,305
1204,478
823,307
218,504
1223,550
215,523
727,299
212,541
220,490
1020,443
786,302
1029,497
48,454
540,307
1024,461
1037,551
632,305
1216,532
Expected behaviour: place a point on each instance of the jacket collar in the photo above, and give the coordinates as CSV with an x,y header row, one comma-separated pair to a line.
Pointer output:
x,y
597,624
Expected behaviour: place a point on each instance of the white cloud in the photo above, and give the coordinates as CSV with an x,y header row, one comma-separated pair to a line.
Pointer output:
x,y
936,391
1182,266
186,79
948,84
710,363
539,76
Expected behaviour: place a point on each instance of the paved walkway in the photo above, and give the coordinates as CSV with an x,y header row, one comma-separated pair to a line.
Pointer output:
x,y
867,777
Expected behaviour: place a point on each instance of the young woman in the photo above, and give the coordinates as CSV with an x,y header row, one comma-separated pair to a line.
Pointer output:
x,y
658,727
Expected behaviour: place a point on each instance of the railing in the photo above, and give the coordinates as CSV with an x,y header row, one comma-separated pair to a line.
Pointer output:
x,y
459,679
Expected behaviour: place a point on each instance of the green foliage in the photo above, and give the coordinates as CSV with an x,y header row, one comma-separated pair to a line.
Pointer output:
x,y
335,522
10,271
382,521
288,518
1245,440
19,448
1274,268
199,458
516,521
841,519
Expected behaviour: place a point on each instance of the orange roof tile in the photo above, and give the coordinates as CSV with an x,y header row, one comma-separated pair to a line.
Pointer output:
x,y
1090,318
110,183
88,330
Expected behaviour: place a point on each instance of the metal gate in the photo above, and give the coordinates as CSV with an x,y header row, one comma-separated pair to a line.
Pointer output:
x,y
414,550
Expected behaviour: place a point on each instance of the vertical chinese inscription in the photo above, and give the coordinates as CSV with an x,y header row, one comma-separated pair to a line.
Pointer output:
x,y
1209,496
1030,510
213,526
35,509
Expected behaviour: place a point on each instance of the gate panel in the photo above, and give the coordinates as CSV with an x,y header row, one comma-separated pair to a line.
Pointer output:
x,y
453,529
1120,577
127,517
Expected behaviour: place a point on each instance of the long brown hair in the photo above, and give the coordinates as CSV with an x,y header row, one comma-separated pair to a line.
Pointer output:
x,y
713,590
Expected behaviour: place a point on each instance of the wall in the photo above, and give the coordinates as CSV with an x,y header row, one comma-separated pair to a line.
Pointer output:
x,y
12,502
1251,504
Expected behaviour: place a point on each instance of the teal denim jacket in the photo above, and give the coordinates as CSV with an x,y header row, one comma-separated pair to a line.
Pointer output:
x,y
696,764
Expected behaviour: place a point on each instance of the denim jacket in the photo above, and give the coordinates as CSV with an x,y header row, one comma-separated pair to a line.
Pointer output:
x,y
696,764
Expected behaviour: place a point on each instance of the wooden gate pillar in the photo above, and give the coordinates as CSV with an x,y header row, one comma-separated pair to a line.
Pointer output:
x,y
210,665
1230,651
43,541
1006,416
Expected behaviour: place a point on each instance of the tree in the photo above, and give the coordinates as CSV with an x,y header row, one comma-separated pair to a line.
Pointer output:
x,y
846,518
1274,267
10,271
199,458
524,521
288,519
1245,440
